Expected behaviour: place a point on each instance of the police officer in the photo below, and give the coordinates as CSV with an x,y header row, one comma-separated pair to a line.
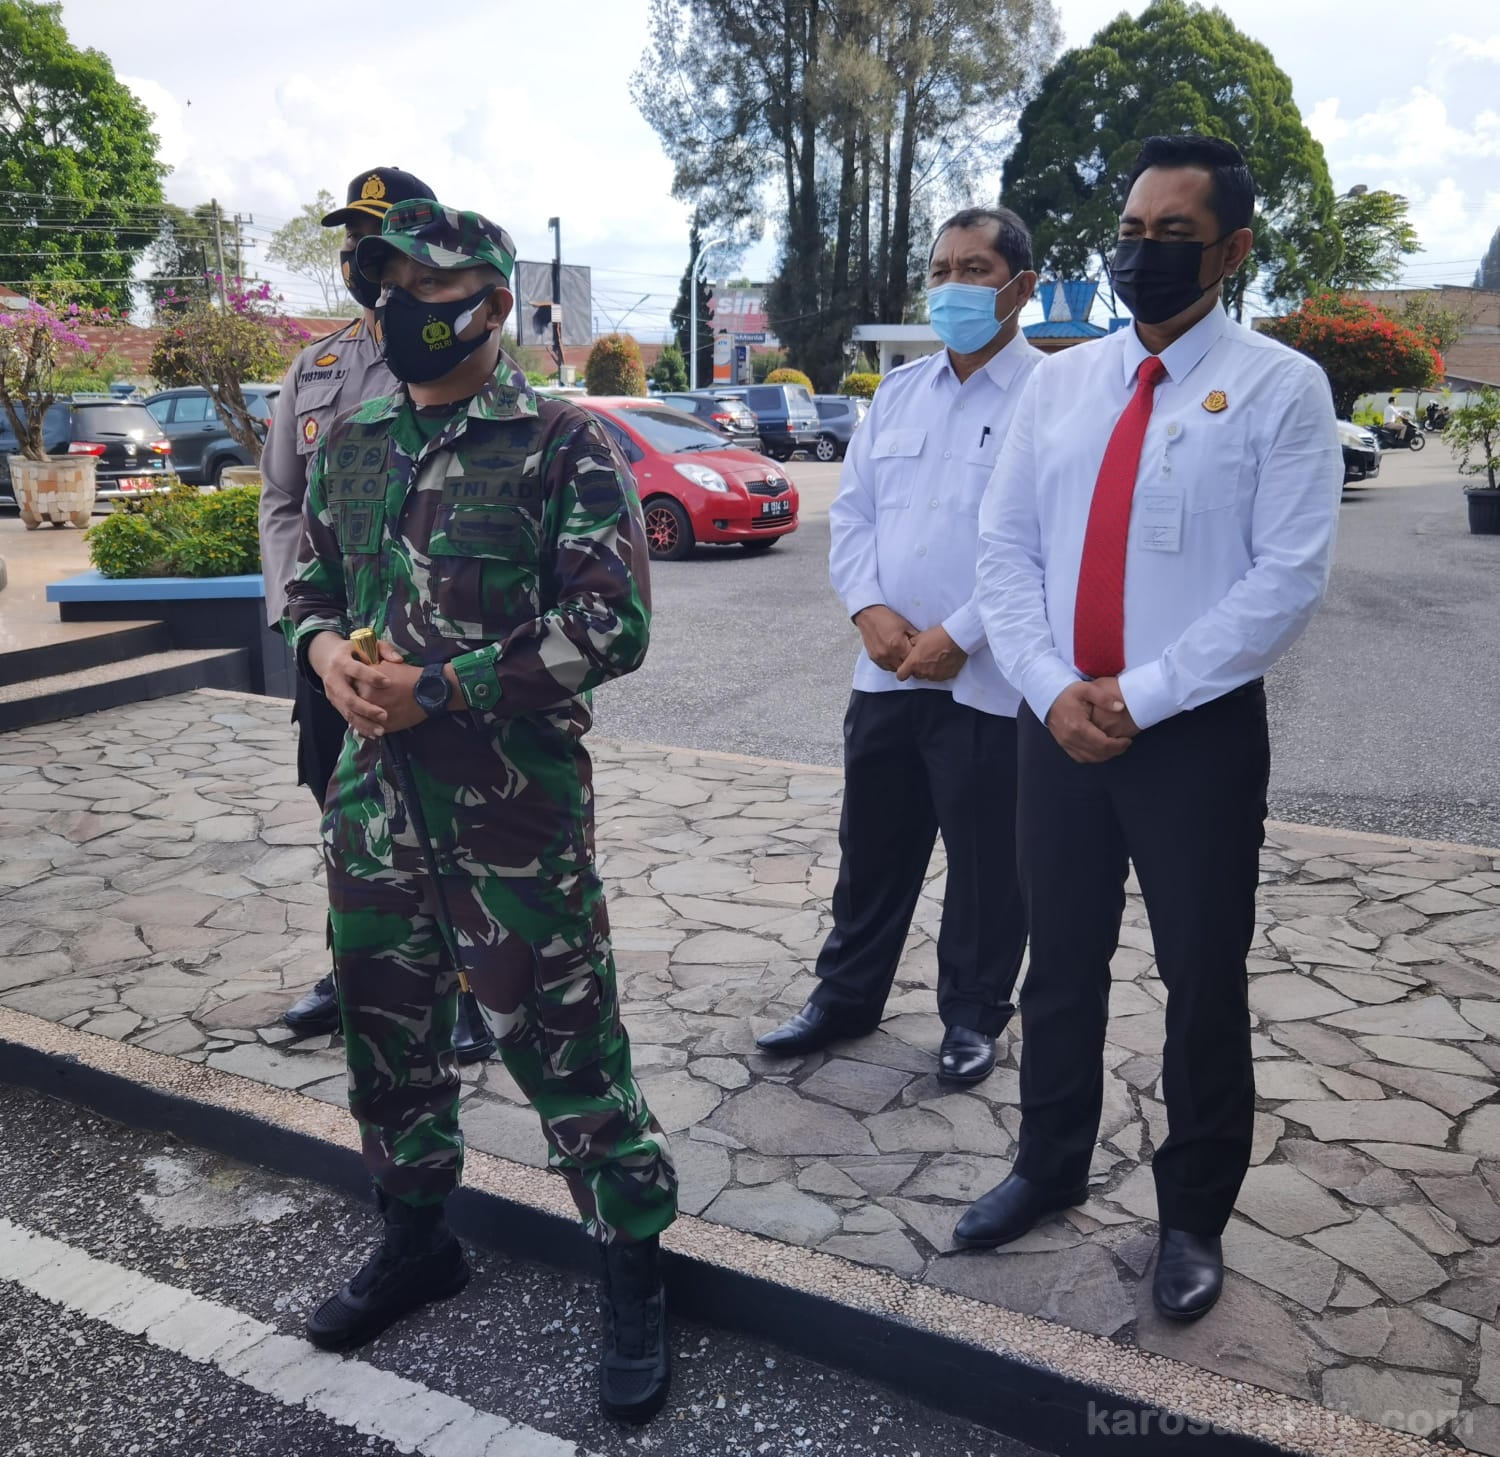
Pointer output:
x,y
495,545
332,375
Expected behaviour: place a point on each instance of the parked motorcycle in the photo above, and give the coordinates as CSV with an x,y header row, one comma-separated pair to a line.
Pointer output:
x,y
1409,438
1436,418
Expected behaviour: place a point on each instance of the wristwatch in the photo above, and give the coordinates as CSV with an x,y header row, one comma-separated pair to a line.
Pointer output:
x,y
431,691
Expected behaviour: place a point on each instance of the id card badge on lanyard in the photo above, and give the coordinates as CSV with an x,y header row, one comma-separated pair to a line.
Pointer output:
x,y
1159,503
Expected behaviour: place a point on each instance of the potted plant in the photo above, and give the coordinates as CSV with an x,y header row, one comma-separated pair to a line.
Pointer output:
x,y
220,349
47,488
1474,433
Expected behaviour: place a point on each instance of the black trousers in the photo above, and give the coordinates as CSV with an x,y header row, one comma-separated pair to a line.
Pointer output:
x,y
915,763
1187,804
320,738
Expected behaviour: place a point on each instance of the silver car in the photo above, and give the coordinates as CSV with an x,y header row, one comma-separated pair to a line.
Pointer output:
x,y
839,417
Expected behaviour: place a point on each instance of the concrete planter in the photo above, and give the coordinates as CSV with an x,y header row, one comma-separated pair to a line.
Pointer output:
x,y
240,475
199,612
1484,512
59,489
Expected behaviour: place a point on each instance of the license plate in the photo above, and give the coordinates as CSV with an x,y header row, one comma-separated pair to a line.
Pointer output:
x,y
137,483
776,508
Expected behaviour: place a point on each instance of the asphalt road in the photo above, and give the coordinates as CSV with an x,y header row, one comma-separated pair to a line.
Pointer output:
x,y
1385,717
519,1342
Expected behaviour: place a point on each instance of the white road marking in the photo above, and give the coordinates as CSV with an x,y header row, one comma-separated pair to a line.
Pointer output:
x,y
375,1403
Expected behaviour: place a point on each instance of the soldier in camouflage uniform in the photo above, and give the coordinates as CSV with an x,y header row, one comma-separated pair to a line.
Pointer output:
x,y
494,543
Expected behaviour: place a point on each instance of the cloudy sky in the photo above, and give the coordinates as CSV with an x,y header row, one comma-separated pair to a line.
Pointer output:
x,y
523,111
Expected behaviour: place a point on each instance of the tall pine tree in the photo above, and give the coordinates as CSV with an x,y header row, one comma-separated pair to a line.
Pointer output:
x,y
681,320
1489,266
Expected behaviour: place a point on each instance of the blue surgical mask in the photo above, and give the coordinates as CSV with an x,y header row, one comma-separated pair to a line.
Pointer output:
x,y
963,315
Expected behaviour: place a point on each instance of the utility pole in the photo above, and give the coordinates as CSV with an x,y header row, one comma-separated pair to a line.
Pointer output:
x,y
693,309
557,340
239,261
219,252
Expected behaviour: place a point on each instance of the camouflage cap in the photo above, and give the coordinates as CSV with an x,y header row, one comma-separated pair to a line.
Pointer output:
x,y
441,237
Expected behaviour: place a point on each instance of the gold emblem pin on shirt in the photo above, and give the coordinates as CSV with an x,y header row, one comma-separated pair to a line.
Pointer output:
x,y
1215,401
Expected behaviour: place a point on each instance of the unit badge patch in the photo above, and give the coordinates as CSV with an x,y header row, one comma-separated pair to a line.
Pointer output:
x,y
1216,401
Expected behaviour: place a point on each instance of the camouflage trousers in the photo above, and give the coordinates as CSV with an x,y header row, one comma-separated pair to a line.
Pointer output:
x,y
538,959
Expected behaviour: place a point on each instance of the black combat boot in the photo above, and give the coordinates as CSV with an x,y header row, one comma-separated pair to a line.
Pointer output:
x,y
472,1039
635,1368
418,1261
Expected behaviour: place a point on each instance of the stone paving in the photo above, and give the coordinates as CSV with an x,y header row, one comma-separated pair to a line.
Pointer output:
x,y
160,883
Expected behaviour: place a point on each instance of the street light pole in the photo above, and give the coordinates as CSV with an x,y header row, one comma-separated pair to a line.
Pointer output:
x,y
693,309
557,344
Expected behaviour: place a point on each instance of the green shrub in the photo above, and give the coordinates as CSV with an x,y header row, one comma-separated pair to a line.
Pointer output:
x,y
860,384
615,368
762,363
184,533
670,370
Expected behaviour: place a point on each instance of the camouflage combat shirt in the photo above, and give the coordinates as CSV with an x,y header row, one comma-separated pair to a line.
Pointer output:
x,y
509,543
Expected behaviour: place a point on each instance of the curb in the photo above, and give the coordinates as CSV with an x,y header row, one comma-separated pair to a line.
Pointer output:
x,y
1057,1389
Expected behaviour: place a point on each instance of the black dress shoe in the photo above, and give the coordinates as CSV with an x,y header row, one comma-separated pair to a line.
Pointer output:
x,y
317,1012
1189,1274
811,1029
1008,1211
966,1056
472,1039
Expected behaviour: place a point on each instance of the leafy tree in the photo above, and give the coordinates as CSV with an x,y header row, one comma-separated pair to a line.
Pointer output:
x,y
856,115
1375,234
1474,432
789,376
681,319
1361,348
32,343
614,367
184,257
311,251
670,370
80,183
1489,266
1423,311
1176,68
221,349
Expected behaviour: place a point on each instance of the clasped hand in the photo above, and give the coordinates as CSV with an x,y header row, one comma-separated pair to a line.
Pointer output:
x,y
1090,721
896,645
373,700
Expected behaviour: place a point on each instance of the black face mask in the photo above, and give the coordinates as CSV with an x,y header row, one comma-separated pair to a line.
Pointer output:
x,y
1156,281
420,341
361,290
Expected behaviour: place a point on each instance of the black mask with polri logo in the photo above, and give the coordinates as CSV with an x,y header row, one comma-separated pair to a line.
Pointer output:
x,y
1157,281
361,290
420,340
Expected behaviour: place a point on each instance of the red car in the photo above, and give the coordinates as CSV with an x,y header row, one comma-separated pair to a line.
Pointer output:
x,y
695,486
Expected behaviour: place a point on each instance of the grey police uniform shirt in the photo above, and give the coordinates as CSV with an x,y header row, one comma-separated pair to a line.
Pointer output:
x,y
332,375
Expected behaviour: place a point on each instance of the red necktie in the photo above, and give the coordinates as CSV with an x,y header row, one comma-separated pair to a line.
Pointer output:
x,y
1099,614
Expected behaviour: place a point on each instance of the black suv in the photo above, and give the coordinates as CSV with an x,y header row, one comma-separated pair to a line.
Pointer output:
x,y
122,435
784,413
201,443
733,417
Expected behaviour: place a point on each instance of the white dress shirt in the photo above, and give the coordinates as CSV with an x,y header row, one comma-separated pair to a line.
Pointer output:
x,y
905,522
1231,527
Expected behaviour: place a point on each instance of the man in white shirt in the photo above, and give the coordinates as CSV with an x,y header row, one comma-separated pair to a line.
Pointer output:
x,y
930,733
1396,421
1158,532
